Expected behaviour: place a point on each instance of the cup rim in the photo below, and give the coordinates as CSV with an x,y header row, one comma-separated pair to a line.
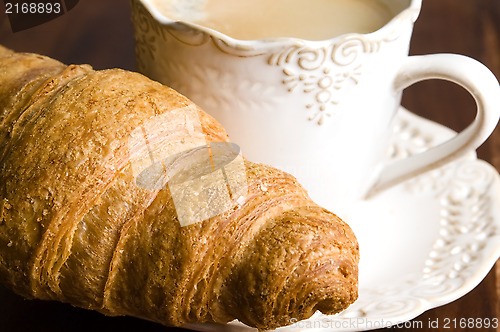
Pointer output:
x,y
411,12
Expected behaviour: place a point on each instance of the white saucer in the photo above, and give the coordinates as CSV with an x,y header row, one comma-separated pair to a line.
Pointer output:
x,y
423,244
428,241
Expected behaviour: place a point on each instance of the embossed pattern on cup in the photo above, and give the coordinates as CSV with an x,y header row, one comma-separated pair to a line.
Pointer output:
x,y
319,75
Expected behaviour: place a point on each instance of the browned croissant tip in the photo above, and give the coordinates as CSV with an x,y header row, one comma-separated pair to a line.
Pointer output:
x,y
77,225
323,278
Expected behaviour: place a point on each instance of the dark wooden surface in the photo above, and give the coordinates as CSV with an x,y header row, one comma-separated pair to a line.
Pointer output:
x,y
100,33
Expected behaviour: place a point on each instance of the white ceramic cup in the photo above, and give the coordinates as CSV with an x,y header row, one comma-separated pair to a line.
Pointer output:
x,y
320,110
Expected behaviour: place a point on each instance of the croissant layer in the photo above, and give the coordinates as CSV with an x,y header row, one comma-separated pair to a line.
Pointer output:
x,y
118,194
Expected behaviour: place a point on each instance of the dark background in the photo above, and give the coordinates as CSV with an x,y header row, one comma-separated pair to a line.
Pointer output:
x,y
100,33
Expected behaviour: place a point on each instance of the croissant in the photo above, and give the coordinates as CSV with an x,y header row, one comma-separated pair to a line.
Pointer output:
x,y
118,194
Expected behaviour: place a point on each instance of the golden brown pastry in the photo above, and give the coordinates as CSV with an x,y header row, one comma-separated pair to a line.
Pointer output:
x,y
84,219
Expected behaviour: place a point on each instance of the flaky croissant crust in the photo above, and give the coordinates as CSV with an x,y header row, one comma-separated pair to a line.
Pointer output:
x,y
75,226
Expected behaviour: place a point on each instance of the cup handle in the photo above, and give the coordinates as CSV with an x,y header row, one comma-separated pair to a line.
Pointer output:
x,y
472,75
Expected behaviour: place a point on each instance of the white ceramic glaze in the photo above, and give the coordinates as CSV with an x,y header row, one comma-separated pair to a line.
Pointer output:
x,y
423,243
320,110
